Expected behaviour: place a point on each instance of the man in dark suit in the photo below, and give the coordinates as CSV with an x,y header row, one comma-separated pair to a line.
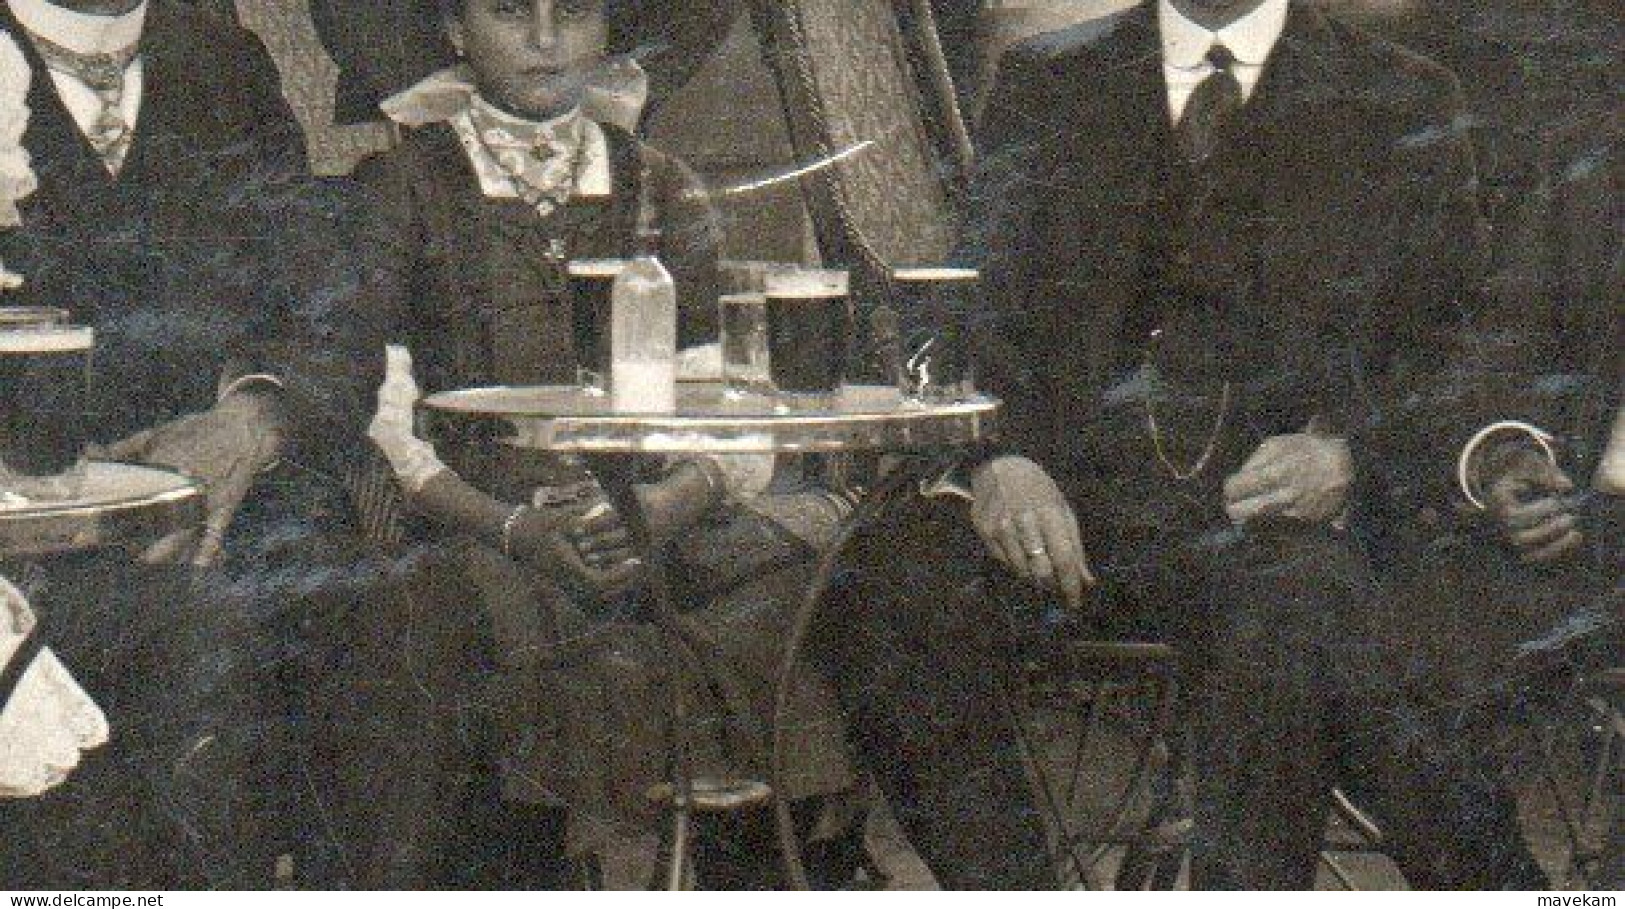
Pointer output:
x,y
1226,245
1516,577
169,215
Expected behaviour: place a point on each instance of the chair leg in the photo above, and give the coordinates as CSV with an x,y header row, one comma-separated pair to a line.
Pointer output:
x,y
1338,871
680,866
1599,814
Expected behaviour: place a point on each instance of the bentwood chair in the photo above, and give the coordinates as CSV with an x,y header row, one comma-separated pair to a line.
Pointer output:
x,y
1589,793
1118,789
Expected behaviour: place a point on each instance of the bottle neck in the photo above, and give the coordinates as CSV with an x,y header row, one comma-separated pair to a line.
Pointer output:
x,y
646,244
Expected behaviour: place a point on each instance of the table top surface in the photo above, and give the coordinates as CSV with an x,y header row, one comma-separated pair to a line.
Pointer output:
x,y
117,505
707,418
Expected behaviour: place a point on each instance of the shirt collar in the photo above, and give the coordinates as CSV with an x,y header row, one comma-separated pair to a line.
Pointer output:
x,y
448,93
83,33
449,97
1250,38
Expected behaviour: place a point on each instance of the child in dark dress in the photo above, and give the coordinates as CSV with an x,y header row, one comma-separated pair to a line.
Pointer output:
x,y
518,650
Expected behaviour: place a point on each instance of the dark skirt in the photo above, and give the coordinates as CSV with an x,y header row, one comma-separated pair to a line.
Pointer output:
x,y
587,721
467,701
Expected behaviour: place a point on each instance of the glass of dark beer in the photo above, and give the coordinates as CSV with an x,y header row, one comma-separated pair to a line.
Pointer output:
x,y
808,329
936,306
44,383
592,282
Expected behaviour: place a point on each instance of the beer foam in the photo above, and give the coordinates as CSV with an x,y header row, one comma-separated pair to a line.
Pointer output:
x,y
807,284
935,273
596,268
65,339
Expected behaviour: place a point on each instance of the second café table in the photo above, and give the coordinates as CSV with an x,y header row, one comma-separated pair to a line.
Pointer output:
x,y
118,507
861,419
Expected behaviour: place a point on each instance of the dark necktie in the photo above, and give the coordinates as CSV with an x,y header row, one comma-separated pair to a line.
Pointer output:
x,y
110,134
1211,107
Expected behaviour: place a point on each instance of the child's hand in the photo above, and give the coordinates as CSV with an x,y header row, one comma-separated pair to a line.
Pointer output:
x,y
681,498
583,543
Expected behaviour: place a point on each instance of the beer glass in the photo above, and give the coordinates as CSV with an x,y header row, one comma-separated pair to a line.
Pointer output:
x,y
592,282
936,306
808,325
745,369
747,276
44,385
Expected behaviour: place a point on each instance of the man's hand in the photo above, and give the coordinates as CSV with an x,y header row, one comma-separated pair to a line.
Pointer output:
x,y
224,449
1529,500
1030,527
1304,476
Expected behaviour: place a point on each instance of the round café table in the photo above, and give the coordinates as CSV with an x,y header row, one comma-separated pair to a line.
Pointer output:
x,y
118,506
708,420
861,418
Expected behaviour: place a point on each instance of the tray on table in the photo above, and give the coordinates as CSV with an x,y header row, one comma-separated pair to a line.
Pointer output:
x,y
566,418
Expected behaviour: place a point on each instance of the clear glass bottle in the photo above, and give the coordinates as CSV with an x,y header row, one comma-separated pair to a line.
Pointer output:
x,y
643,332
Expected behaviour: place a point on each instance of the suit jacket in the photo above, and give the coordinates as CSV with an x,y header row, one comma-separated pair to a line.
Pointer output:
x,y
1542,84
1363,223
204,257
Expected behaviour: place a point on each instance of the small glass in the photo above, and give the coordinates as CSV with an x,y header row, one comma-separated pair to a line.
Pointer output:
x,y
745,370
808,331
937,304
748,276
592,285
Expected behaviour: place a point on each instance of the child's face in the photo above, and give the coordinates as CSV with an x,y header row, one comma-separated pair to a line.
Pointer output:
x,y
532,57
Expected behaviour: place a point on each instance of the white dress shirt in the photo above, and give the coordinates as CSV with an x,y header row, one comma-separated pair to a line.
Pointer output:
x,y
87,34
1185,45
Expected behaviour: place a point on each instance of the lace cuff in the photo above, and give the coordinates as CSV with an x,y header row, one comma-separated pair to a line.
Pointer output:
x,y
49,720
413,460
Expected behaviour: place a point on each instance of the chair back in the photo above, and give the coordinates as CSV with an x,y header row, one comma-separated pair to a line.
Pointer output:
x,y
851,93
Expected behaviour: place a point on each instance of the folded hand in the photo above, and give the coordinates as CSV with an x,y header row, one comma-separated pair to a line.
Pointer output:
x,y
583,542
1303,476
1529,500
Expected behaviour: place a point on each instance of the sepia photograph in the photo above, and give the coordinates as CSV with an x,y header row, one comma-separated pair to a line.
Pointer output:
x,y
502,446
